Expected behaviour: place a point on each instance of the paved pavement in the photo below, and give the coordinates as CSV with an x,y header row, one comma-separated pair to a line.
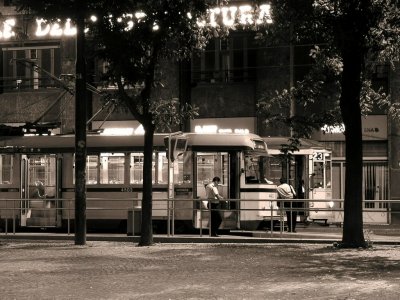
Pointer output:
x,y
314,233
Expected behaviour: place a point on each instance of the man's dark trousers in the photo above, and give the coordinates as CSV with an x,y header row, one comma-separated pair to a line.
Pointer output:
x,y
216,219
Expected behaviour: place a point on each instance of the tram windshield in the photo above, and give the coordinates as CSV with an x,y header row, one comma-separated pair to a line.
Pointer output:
x,y
256,169
321,176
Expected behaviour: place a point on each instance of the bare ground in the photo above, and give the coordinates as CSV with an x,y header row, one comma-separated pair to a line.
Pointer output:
x,y
117,270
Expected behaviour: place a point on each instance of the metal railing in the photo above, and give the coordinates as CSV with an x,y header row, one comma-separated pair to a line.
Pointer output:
x,y
11,210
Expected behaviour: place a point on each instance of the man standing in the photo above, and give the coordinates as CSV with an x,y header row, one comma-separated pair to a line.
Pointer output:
x,y
286,191
214,197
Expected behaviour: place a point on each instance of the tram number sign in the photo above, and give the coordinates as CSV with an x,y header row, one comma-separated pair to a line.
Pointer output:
x,y
319,156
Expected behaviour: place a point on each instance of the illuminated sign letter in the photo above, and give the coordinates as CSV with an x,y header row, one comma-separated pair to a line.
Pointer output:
x,y
7,29
68,30
265,14
56,30
229,15
213,12
42,31
246,16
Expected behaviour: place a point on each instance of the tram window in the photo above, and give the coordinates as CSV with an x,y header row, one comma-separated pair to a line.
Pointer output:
x,y
274,173
159,168
318,175
136,168
162,168
42,172
257,169
42,168
205,168
92,166
328,171
112,168
6,168
184,170
210,165
187,167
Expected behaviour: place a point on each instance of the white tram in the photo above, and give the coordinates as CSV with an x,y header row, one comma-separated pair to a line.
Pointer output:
x,y
37,180
311,165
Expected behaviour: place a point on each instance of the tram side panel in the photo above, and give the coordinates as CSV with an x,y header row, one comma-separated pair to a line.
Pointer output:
x,y
10,189
321,209
108,204
258,204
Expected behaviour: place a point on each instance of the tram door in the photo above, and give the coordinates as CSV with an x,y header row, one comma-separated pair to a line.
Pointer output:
x,y
209,165
321,187
39,191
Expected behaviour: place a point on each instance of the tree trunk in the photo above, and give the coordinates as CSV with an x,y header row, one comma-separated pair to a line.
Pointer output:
x,y
146,237
80,132
353,236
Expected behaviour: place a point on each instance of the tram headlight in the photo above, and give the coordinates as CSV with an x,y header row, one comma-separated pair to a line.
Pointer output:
x,y
331,204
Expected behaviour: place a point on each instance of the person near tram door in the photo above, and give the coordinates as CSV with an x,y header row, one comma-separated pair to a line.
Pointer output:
x,y
301,194
214,198
39,191
286,191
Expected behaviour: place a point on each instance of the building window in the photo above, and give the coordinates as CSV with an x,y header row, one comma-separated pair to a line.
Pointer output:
x,y
19,73
375,184
232,59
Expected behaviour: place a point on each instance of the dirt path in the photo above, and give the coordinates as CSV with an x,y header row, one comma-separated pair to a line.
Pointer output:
x,y
107,270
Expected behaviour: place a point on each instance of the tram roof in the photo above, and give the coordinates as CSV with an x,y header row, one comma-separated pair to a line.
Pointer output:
x,y
66,143
97,143
225,142
307,146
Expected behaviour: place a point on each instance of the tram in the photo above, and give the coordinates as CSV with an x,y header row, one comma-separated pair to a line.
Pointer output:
x,y
38,173
309,171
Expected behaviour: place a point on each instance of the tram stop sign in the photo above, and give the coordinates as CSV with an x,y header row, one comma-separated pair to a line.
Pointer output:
x,y
178,146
